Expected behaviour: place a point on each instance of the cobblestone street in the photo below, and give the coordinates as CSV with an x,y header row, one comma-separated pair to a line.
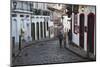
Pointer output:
x,y
51,33
46,53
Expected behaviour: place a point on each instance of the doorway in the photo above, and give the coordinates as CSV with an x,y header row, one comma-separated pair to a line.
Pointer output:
x,y
37,30
90,33
81,35
33,31
41,29
44,30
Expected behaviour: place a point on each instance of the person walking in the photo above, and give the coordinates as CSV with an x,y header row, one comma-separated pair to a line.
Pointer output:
x,y
65,37
60,37
69,37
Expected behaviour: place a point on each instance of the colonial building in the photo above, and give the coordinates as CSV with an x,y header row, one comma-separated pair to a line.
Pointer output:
x,y
21,20
83,27
40,26
60,18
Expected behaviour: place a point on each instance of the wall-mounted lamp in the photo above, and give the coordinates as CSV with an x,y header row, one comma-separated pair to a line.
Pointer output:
x,y
82,8
14,5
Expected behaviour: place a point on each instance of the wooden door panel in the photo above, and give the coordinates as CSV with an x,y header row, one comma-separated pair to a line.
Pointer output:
x,y
90,33
82,30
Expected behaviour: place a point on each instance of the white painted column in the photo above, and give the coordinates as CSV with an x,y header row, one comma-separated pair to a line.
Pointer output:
x,y
85,34
39,31
43,28
72,22
35,31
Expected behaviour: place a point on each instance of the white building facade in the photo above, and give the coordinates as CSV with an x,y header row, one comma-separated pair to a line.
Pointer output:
x,y
21,20
83,28
32,20
40,26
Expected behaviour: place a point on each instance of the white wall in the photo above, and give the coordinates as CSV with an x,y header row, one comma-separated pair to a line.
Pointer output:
x,y
75,37
40,19
87,10
51,27
66,23
22,5
18,25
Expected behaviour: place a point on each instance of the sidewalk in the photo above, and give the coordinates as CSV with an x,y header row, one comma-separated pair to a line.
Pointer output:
x,y
80,52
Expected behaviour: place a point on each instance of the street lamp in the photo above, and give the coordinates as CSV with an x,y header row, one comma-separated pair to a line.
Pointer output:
x,y
14,4
82,8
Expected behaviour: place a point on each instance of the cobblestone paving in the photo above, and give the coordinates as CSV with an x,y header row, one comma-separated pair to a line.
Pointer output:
x,y
46,53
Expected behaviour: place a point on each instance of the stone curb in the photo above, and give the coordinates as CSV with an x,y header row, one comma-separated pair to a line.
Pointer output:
x,y
84,56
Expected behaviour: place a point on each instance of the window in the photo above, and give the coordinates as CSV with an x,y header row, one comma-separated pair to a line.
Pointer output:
x,y
31,5
14,4
75,9
46,13
14,15
44,6
27,16
36,11
20,5
37,5
25,6
21,15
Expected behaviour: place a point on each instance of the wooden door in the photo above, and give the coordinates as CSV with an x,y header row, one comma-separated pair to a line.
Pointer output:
x,y
33,31
37,30
90,33
81,30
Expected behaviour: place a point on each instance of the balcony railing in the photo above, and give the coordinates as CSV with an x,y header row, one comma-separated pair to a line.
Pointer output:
x,y
41,12
22,9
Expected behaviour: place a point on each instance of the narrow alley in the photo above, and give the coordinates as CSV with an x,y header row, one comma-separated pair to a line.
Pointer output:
x,y
46,53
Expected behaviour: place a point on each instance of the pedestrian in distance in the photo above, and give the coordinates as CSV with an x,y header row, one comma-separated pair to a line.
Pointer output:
x,y
60,37
65,39
69,37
